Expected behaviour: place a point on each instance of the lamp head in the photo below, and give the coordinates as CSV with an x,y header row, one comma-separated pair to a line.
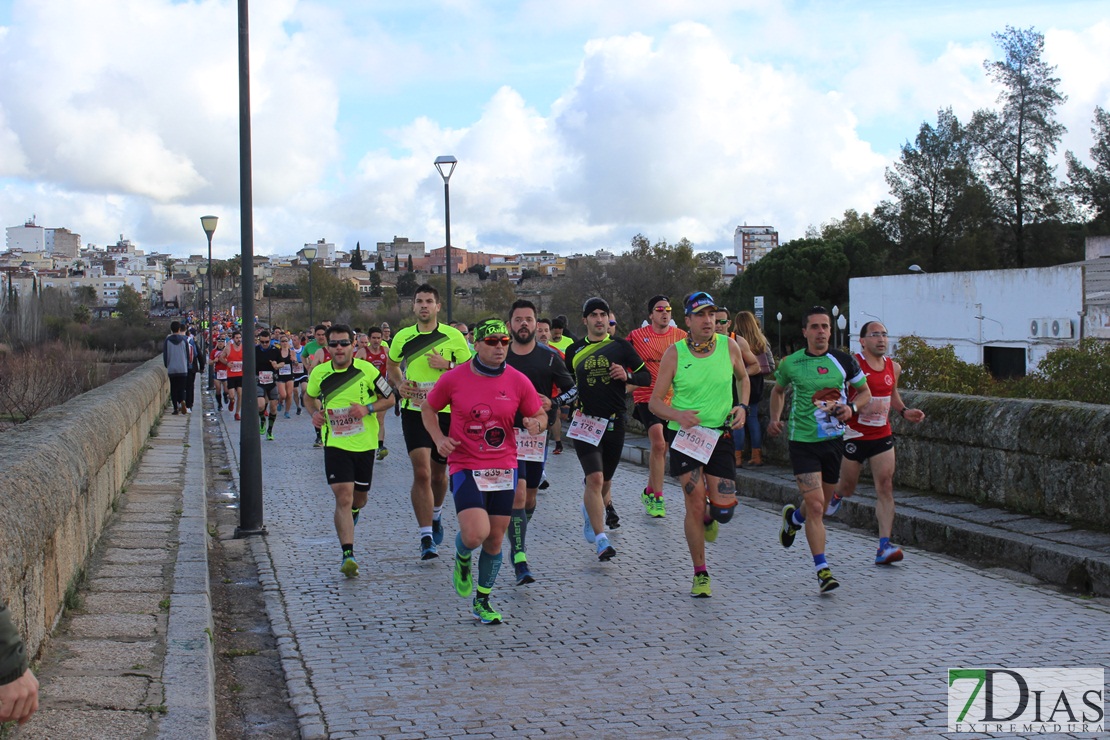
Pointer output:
x,y
916,268
310,253
448,162
208,223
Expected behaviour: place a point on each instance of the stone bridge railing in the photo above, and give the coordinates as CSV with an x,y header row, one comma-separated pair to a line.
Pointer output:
x,y
60,476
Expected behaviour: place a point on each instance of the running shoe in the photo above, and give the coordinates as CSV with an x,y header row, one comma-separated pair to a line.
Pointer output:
x,y
317,443
262,426
648,500
711,531
231,405
887,555
464,584
281,405
354,514
825,578
483,612
612,521
238,417
700,589
788,530
270,435
605,551
523,575
428,548
587,528
287,416
437,531
834,506
298,411
659,508
558,449
349,567
382,452
544,485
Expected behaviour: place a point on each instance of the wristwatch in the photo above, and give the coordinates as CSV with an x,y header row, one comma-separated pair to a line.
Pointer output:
x,y
450,365
852,406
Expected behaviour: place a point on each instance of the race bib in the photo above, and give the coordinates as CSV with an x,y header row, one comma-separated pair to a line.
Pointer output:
x,y
265,377
235,366
828,426
298,367
876,412
696,442
420,395
588,429
342,424
493,479
285,370
530,447
221,375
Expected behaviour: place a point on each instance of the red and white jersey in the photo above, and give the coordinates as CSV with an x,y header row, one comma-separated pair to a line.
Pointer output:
x,y
377,359
873,420
235,362
650,346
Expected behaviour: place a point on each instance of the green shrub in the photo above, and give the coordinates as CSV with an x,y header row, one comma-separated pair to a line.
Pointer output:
x,y
937,369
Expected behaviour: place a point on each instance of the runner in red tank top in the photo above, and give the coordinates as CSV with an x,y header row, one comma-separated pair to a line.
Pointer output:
x,y
871,439
651,342
376,355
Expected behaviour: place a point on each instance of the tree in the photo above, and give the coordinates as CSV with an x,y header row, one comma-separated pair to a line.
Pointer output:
x,y
331,296
129,305
396,263
479,270
379,265
528,272
1014,144
356,258
1091,187
713,258
406,285
497,296
409,266
85,295
375,284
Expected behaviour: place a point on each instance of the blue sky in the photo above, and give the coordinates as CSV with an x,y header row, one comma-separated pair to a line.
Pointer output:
x,y
577,124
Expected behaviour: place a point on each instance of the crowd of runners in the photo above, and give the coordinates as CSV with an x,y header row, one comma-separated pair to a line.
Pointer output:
x,y
482,406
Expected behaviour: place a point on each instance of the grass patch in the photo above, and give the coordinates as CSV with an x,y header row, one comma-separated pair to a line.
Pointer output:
x,y
164,605
240,652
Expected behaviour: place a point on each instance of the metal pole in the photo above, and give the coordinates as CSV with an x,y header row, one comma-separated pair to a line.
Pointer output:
x,y
211,343
447,218
250,449
311,322
270,308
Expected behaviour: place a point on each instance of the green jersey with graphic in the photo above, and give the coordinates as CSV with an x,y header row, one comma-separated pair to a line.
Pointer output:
x,y
338,390
412,348
817,380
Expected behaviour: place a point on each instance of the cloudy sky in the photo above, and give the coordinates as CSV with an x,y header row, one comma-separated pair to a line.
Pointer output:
x,y
577,123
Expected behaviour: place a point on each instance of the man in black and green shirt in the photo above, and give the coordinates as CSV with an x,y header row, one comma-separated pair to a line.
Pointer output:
x,y
343,394
602,367
819,411
427,350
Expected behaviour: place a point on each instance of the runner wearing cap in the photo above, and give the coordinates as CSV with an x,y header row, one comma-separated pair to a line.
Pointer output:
x,y
602,367
711,390
485,395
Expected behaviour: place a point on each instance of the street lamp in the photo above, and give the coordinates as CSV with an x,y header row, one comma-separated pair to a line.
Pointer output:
x,y
208,223
779,317
310,254
841,322
270,293
448,162
835,314
916,268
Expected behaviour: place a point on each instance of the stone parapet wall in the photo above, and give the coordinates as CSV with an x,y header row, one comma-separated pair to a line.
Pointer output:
x,y
62,473
1046,458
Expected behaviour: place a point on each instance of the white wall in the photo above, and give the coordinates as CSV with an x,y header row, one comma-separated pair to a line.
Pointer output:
x,y
942,308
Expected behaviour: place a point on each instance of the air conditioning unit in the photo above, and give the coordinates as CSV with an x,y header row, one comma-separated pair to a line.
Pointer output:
x,y
1059,328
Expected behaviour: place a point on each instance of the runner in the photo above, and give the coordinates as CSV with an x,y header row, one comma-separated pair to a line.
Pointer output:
x,y
543,336
343,396
746,327
314,353
544,368
650,342
819,376
268,363
711,391
233,357
219,370
602,366
285,374
428,349
177,356
376,355
873,439
300,376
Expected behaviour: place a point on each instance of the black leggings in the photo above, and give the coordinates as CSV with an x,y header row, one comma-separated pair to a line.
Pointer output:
x,y
177,388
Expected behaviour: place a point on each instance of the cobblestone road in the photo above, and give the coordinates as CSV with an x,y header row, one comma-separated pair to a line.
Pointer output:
x,y
620,649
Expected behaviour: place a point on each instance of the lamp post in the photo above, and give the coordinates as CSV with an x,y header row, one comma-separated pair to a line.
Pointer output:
x,y
310,254
779,317
208,223
270,295
448,162
841,322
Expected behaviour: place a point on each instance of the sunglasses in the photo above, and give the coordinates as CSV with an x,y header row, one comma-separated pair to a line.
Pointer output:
x,y
612,323
494,341
662,309
721,322
340,343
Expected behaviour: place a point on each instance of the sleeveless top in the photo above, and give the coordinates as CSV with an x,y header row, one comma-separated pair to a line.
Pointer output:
x,y
873,421
704,384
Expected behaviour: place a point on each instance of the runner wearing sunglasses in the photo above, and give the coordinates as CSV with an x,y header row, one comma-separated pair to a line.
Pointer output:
x,y
485,396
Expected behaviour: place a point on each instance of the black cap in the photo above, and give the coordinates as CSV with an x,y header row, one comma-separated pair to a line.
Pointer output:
x,y
592,304
656,299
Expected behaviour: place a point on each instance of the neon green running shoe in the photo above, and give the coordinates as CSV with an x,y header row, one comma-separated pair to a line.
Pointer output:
x,y
349,567
700,589
483,612
270,435
659,508
711,531
464,584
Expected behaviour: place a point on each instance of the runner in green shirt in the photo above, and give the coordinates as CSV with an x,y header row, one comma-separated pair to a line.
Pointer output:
x,y
819,412
343,393
427,350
